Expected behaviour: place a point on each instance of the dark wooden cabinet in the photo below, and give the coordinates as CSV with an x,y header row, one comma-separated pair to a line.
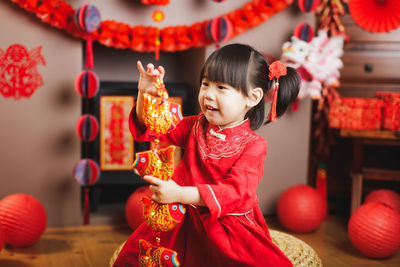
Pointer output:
x,y
371,63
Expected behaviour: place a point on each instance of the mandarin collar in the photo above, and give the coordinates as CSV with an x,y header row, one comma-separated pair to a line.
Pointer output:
x,y
221,133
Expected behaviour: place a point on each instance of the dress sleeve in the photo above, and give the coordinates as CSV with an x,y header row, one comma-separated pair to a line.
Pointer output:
x,y
236,193
177,136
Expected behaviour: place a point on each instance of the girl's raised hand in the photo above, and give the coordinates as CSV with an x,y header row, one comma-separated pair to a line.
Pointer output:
x,y
148,76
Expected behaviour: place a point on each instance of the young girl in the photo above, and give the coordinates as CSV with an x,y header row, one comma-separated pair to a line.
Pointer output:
x,y
222,164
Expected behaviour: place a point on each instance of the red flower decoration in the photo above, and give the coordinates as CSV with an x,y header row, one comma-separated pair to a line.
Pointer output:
x,y
276,70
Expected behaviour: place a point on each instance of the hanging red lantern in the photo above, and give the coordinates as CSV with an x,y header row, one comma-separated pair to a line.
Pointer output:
x,y
87,19
374,229
304,31
23,218
86,173
301,209
87,127
87,84
219,29
308,5
386,196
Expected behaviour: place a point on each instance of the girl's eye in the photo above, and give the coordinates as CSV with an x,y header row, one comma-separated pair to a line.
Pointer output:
x,y
221,87
204,84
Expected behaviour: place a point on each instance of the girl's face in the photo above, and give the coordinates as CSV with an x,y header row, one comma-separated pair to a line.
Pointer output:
x,y
222,104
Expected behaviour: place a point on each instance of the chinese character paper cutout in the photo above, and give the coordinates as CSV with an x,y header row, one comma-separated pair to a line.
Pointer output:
x,y
116,142
19,76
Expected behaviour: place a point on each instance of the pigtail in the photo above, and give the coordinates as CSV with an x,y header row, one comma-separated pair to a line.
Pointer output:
x,y
287,86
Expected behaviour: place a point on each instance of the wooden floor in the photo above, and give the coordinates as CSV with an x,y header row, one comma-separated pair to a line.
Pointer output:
x,y
94,246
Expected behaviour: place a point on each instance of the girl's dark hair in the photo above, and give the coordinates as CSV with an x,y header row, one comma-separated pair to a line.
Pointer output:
x,y
242,67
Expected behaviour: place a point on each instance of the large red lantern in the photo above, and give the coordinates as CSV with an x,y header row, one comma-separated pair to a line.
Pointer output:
x,y
23,218
374,229
308,5
134,207
301,208
386,196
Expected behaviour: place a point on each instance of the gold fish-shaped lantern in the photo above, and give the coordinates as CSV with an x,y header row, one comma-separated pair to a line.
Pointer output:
x,y
155,256
160,115
162,217
159,164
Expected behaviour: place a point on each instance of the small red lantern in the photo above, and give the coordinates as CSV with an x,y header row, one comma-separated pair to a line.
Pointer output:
x,y
386,196
134,207
23,218
304,32
219,29
308,5
87,84
87,127
301,209
374,229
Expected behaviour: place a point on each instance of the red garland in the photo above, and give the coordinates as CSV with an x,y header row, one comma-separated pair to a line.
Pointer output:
x,y
141,38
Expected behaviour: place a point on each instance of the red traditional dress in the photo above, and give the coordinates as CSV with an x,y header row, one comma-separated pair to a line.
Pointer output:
x,y
226,167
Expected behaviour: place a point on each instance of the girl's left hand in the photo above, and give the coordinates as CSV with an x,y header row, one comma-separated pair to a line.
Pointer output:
x,y
164,192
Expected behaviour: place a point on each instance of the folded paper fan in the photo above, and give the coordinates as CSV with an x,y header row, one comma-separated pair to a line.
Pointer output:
x,y
376,15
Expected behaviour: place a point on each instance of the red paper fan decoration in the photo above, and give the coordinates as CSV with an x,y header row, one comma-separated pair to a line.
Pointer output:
x,y
376,15
87,128
87,84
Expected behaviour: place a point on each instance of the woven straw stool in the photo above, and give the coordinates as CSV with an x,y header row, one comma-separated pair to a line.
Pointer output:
x,y
297,251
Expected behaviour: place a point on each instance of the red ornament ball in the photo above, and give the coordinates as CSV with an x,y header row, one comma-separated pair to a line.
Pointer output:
x,y
158,15
87,84
304,31
87,127
86,172
219,29
1,237
134,208
301,209
374,229
389,197
23,218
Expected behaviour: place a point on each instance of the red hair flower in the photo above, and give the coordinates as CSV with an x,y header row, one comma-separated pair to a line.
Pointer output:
x,y
276,70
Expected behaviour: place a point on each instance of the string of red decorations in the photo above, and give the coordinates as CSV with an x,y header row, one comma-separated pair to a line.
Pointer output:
x,y
59,14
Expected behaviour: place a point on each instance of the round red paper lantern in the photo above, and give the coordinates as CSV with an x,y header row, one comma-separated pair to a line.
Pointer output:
x,y
134,208
87,127
301,209
86,172
1,237
219,29
87,18
308,5
374,229
23,218
87,84
386,196
304,32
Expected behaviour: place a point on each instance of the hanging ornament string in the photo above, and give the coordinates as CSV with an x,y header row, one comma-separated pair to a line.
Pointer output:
x,y
158,16
142,38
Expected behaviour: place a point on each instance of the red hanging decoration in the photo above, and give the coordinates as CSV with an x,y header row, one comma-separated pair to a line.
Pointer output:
x,y
87,84
219,29
174,38
19,76
376,15
328,16
158,16
87,128
308,5
276,70
87,18
304,31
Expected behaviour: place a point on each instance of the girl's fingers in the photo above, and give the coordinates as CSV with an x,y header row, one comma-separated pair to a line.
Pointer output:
x,y
140,67
161,71
151,180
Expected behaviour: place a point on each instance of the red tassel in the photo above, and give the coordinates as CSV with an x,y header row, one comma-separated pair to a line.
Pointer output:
x,y
295,105
321,182
86,208
273,106
89,52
